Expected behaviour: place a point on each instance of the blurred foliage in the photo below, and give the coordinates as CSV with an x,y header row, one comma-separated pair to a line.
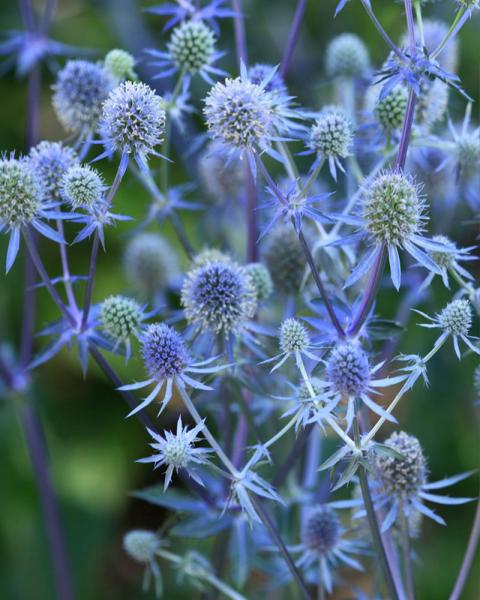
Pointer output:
x,y
92,447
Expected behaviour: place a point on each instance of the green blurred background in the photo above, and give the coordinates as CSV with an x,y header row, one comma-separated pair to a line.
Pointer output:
x,y
92,447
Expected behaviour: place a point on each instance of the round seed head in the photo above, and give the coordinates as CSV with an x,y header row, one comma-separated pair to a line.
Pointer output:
x,y
120,317
50,161
149,262
285,260
293,336
390,111
21,193
404,475
120,63
332,133
322,530
79,92
82,187
219,297
141,545
261,280
210,255
456,317
133,119
444,260
348,369
432,103
239,113
192,46
467,150
392,209
347,56
164,351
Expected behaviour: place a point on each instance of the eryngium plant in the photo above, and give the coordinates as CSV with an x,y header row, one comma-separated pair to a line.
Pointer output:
x,y
257,325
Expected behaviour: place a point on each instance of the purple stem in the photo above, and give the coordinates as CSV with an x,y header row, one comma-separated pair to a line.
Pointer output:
x,y
95,246
50,6
468,558
28,17
29,310
38,455
293,456
370,292
292,37
239,26
251,216
406,130
378,26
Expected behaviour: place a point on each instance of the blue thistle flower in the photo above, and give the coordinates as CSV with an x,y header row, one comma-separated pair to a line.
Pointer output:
x,y
285,260
120,63
141,545
168,363
82,187
219,297
448,261
79,93
260,72
347,56
50,161
133,123
393,215
177,451
401,481
261,280
209,12
121,318
23,204
190,51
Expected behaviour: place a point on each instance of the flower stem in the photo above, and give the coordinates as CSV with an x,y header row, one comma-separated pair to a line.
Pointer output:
x,y
453,29
292,36
373,522
240,38
378,26
38,455
407,553
468,558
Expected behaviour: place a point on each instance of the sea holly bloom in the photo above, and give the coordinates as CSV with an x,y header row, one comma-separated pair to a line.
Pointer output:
x,y
401,484
449,261
133,124
141,545
121,318
120,64
177,451
168,363
346,55
393,216
79,92
50,161
190,51
82,187
294,340
23,204
349,374
325,547
455,321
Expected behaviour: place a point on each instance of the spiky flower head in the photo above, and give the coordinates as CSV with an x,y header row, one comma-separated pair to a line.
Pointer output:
x,y
261,280
444,260
405,474
219,297
133,119
347,56
467,149
390,110
141,545
149,263
332,133
50,161
120,317
164,352
348,369
239,113
285,259
209,255
456,317
192,46
82,187
322,530
393,209
432,103
434,32
293,336
261,72
21,193
120,63
79,92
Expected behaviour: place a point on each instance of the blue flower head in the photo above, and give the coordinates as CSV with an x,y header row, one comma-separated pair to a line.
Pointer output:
x,y
133,122
50,161
348,369
164,351
79,92
22,204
